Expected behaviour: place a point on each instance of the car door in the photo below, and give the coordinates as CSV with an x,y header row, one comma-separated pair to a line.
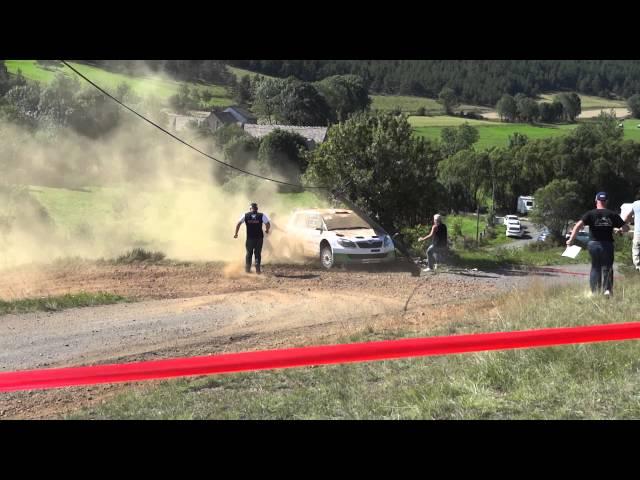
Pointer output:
x,y
313,234
296,232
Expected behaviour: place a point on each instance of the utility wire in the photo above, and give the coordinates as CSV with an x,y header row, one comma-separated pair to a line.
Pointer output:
x,y
186,143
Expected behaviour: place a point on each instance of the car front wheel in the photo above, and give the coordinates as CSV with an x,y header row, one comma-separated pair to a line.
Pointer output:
x,y
326,256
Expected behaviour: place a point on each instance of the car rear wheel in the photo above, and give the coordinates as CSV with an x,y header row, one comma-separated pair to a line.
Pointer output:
x,y
326,256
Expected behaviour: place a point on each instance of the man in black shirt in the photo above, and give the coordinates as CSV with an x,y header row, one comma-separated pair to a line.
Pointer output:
x,y
602,223
253,220
439,243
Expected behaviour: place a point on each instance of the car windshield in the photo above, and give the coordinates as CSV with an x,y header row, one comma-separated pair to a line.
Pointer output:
x,y
345,221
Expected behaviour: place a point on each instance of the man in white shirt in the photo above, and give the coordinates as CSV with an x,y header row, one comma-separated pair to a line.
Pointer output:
x,y
635,214
253,220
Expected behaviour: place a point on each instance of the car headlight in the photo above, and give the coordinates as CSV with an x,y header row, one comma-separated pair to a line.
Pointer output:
x,y
387,241
346,243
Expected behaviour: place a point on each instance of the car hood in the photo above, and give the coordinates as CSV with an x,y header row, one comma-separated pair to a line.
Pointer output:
x,y
353,234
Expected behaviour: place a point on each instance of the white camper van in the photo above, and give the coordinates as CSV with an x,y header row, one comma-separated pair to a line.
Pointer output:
x,y
525,205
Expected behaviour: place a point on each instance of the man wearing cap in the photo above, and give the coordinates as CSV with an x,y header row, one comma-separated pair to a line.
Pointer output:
x,y
602,224
253,220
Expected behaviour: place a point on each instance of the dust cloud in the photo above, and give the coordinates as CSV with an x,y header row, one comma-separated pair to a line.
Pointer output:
x,y
72,196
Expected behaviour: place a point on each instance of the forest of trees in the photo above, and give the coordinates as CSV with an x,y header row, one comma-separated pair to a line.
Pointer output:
x,y
480,82
565,107
378,163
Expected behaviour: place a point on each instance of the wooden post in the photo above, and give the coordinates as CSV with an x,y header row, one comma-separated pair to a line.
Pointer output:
x,y
478,225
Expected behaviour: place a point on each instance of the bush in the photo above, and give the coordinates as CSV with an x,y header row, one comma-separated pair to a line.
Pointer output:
x,y
623,255
410,237
140,255
241,150
549,244
634,105
225,134
282,150
455,231
490,233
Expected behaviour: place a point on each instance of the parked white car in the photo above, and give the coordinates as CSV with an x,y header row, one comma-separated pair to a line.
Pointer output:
x,y
510,219
514,230
337,236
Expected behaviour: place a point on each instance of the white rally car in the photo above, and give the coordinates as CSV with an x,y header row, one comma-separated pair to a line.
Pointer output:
x,y
337,236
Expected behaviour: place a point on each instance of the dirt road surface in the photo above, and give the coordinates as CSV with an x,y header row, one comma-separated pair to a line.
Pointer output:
x,y
185,310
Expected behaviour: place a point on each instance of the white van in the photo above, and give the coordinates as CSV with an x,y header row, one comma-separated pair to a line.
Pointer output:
x,y
525,204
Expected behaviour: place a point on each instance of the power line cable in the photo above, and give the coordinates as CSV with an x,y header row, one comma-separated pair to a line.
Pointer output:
x,y
184,142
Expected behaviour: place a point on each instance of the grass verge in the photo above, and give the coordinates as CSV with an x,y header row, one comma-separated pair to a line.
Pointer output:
x,y
590,381
140,255
59,302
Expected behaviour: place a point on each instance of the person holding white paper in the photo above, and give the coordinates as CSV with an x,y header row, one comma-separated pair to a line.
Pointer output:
x,y
602,222
572,252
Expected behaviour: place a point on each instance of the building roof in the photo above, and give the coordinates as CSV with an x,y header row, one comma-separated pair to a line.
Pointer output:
x,y
316,134
224,117
242,115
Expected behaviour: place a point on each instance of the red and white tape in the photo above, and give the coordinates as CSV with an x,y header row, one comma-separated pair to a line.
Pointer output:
x,y
317,355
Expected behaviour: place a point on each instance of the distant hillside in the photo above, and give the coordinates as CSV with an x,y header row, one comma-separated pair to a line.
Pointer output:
x,y
477,82
142,82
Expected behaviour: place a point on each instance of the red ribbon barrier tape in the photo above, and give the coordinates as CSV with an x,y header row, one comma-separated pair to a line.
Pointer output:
x,y
318,355
559,270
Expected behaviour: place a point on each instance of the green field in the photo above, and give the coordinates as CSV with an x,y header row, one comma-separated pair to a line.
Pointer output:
x,y
72,209
410,104
491,133
585,381
497,133
404,103
632,129
142,85
241,72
